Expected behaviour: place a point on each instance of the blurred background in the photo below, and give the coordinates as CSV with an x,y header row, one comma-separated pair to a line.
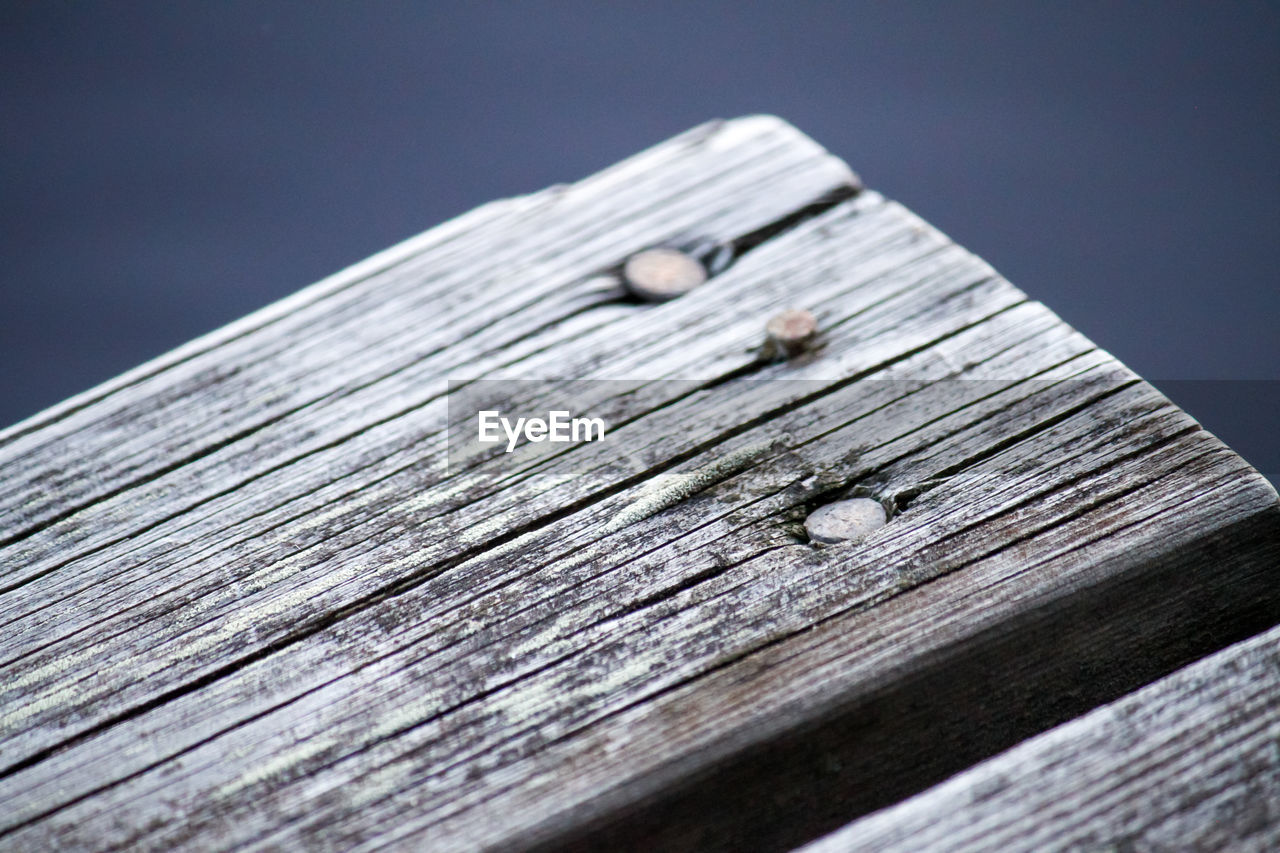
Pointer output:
x,y
168,167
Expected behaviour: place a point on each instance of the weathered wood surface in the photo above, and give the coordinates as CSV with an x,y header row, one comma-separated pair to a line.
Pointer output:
x,y
1191,762
247,604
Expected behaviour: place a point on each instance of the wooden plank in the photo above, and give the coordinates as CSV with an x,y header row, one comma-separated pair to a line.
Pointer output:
x,y
1191,762
248,602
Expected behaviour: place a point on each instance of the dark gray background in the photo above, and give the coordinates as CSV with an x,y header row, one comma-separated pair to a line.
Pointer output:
x,y
166,168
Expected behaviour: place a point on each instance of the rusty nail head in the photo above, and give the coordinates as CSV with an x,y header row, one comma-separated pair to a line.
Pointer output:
x,y
791,331
656,275
845,521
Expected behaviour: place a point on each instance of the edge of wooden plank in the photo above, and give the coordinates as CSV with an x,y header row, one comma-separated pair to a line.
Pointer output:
x,y
1191,761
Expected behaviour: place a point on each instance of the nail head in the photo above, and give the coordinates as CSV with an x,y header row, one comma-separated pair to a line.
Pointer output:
x,y
845,521
790,332
656,275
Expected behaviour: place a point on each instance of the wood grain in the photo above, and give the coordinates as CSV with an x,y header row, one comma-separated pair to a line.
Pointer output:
x,y
1191,762
247,602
